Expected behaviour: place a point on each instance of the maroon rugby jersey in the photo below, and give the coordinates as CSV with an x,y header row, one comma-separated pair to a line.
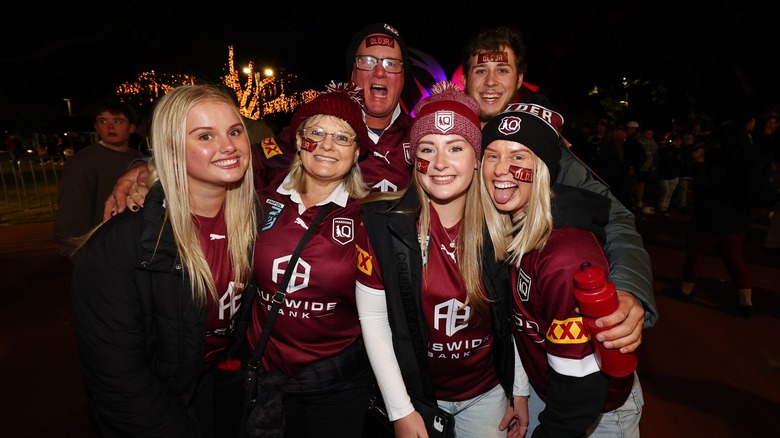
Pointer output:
x,y
386,167
459,352
212,233
548,331
318,318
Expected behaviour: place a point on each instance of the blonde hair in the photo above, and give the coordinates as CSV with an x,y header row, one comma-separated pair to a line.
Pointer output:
x,y
526,229
469,243
353,181
169,168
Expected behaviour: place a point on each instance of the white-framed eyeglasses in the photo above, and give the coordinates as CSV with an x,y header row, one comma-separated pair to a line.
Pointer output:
x,y
319,134
369,63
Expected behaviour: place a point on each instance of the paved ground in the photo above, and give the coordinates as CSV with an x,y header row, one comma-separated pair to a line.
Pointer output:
x,y
705,371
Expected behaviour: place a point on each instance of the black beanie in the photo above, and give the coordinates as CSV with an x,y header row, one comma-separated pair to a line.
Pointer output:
x,y
535,126
372,29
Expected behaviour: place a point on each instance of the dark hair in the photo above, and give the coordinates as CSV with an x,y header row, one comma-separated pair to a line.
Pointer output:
x,y
115,106
491,39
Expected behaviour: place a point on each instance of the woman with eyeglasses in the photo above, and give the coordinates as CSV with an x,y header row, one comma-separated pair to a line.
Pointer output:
x,y
316,369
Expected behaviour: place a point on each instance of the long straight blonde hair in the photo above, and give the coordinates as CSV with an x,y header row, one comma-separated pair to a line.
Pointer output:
x,y
469,243
169,168
526,229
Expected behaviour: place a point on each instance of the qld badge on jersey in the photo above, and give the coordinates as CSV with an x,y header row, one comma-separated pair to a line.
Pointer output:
x,y
343,230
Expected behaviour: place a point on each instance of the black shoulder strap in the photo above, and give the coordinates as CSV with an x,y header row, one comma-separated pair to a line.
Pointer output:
x,y
278,299
412,319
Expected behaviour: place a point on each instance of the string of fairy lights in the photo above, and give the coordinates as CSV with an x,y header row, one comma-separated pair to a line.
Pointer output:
x,y
263,93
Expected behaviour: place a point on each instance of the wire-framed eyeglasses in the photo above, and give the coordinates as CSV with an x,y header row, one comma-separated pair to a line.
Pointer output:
x,y
319,134
369,63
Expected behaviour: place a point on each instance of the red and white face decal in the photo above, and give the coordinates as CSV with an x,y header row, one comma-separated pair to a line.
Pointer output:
x,y
486,57
380,40
522,174
308,145
422,165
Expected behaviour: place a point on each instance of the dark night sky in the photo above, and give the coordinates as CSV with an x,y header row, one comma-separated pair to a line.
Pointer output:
x,y
722,55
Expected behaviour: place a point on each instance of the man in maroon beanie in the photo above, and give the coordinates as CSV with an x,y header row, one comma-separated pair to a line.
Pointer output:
x,y
377,60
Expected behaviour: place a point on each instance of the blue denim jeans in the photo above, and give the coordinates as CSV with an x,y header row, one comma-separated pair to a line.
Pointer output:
x,y
479,416
621,422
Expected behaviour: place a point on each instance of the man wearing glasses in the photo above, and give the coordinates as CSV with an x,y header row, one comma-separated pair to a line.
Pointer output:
x,y
376,59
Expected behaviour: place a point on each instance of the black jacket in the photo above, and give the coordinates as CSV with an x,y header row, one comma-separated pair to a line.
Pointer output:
x,y
140,338
385,230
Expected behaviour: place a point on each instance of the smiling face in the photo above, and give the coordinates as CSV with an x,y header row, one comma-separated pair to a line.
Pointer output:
x,y
326,161
445,167
493,80
507,172
217,147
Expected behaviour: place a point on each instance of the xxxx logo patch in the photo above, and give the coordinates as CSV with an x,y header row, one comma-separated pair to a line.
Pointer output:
x,y
568,331
364,262
270,148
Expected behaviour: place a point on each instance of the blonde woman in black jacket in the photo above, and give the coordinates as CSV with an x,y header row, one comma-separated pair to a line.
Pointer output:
x,y
155,293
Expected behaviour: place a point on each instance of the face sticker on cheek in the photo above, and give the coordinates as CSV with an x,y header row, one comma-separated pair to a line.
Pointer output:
x,y
308,145
483,58
422,165
522,174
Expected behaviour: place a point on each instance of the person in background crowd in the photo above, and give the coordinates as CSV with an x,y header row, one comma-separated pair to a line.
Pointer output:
x,y
671,165
89,176
645,172
13,145
546,230
493,63
155,293
317,374
725,185
462,313
768,143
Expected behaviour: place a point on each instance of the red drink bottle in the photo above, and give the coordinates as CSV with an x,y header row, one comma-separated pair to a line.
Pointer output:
x,y
596,297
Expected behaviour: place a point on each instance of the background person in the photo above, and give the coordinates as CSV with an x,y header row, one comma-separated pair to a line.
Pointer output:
x,y
89,176
155,293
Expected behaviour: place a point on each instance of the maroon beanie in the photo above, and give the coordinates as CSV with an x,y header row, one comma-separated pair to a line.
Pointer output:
x,y
447,111
343,100
535,126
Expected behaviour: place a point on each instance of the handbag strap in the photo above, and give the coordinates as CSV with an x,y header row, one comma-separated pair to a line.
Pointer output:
x,y
412,320
278,298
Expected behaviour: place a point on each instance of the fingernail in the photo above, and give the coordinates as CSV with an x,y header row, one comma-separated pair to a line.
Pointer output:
x,y
134,208
113,212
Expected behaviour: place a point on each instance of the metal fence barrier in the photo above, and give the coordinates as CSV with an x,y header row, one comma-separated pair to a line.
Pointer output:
x,y
30,185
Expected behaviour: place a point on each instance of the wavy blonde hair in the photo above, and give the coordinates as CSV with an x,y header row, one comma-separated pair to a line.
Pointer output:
x,y
169,168
526,229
